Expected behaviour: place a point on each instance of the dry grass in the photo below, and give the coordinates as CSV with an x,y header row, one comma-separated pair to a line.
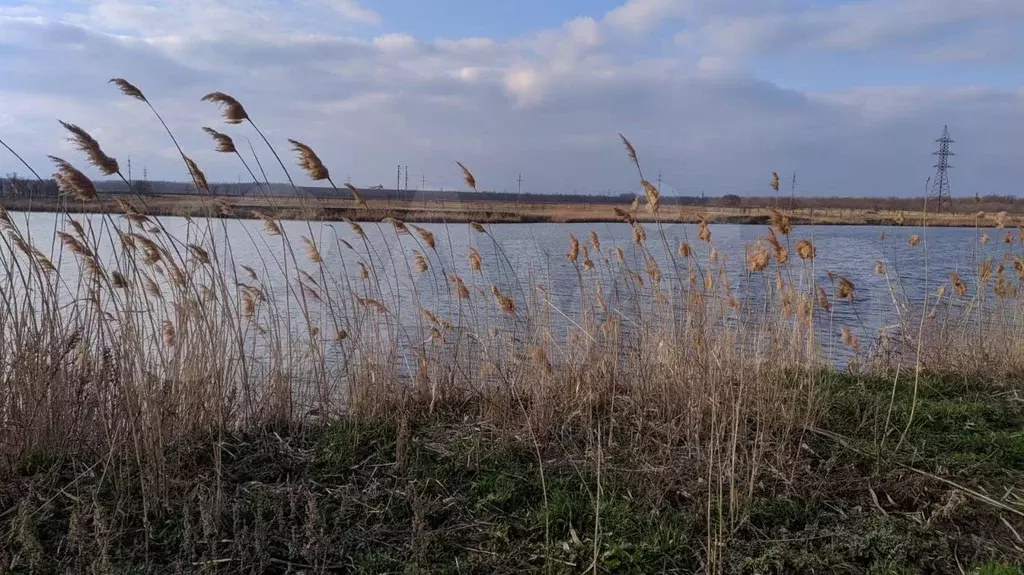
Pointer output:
x,y
144,339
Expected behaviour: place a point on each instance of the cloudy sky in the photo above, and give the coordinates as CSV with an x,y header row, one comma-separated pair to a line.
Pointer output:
x,y
714,94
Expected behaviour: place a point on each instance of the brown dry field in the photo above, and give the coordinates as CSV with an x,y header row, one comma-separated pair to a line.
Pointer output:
x,y
497,212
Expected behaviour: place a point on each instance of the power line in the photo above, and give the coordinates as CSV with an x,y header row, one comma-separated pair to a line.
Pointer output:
x,y
940,193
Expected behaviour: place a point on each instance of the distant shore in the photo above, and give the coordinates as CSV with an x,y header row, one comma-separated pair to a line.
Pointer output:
x,y
484,211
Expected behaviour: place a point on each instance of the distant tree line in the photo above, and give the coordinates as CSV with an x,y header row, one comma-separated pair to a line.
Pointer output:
x,y
14,186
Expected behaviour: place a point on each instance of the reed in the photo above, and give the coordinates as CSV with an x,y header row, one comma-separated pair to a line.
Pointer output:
x,y
146,336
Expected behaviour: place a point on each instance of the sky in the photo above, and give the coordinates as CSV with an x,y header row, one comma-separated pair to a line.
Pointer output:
x,y
714,94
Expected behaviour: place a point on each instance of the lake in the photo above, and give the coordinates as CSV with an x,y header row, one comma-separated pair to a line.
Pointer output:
x,y
524,260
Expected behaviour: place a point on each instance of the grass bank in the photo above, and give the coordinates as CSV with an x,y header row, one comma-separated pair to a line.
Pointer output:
x,y
444,495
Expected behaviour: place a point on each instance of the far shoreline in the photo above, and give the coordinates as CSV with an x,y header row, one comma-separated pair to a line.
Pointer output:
x,y
492,212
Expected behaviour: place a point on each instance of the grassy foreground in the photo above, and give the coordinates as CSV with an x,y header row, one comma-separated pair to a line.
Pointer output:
x,y
442,495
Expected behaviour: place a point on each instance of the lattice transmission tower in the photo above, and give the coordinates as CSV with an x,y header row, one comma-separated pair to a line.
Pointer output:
x,y
940,195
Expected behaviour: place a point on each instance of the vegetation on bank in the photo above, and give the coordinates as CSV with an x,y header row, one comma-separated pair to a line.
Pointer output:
x,y
371,397
475,208
437,494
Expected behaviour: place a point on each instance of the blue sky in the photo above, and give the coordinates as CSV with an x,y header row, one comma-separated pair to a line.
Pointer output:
x,y
714,93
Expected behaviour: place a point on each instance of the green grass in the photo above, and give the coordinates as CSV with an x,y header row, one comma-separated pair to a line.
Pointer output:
x,y
468,499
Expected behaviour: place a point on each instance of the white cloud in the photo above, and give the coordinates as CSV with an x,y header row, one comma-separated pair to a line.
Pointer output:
x,y
524,84
871,25
640,15
395,42
352,11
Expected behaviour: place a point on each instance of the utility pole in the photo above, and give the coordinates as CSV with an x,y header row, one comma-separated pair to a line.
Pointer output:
x,y
398,178
940,193
406,177
129,170
423,183
792,191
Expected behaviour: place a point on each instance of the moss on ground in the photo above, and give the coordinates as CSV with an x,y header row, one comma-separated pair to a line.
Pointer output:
x,y
453,497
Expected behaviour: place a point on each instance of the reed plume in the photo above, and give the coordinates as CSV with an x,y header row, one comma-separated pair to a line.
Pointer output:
x,y
373,304
71,181
880,268
224,142
595,242
248,304
757,258
201,255
848,338
419,262
467,176
540,357
958,284
169,334
822,298
355,227
197,175
355,195
270,227
474,260
309,161
684,250
781,253
703,232
844,289
364,273
775,181
619,255
477,227
398,225
574,248
128,89
312,253
426,236
131,213
626,216
653,271
91,148
652,196
151,287
118,280
805,249
460,286
630,150
914,240
639,235
780,222
504,302
231,109
985,270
